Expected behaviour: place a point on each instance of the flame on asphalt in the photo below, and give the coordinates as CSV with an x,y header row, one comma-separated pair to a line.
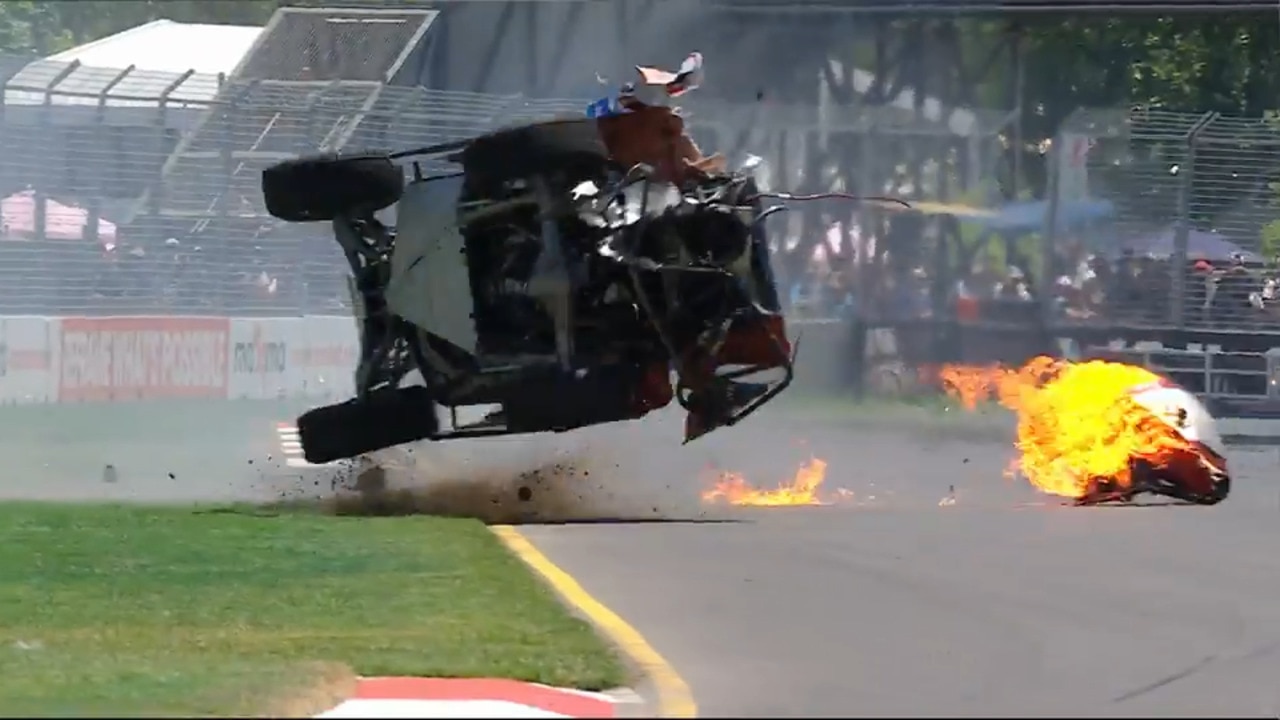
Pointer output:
x,y
802,489
1077,422
805,488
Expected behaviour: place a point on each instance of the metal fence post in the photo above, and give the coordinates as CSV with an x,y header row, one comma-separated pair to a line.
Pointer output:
x,y
863,294
40,221
1182,229
94,211
155,200
1049,250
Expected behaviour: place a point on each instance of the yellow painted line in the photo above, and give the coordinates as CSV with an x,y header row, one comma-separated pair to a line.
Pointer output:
x,y
674,697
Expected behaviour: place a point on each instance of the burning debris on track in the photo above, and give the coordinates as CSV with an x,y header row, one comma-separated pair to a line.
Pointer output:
x,y
1101,431
803,489
806,488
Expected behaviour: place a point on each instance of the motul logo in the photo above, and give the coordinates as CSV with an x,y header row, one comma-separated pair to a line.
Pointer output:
x,y
259,357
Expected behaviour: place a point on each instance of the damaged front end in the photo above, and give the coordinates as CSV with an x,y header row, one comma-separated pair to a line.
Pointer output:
x,y
698,261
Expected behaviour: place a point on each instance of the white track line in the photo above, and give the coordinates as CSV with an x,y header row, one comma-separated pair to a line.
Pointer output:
x,y
291,446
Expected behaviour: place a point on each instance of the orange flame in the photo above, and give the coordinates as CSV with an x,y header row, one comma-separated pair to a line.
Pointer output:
x,y
733,488
1077,422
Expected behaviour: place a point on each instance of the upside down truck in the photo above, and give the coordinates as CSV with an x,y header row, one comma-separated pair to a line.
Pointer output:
x,y
556,276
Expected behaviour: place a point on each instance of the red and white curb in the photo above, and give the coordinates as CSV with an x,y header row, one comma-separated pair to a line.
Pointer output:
x,y
474,698
291,446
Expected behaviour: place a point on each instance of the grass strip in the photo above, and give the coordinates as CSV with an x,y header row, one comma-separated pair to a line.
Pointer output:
x,y
119,610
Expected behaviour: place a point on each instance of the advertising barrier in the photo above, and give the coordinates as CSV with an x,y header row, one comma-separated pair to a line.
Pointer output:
x,y
121,359
27,360
129,358
310,357
106,359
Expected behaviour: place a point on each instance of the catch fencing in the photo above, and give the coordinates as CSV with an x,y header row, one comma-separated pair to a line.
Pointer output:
x,y
129,191
137,193
1156,222
931,155
1188,191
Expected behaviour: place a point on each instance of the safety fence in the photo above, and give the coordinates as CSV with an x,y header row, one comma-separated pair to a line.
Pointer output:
x,y
131,358
168,357
139,191
1194,225
1233,384
135,191
902,360
128,358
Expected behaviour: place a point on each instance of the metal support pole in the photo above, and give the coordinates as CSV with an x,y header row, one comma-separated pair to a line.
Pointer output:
x,y
1182,231
1019,96
156,197
39,199
94,209
868,226
1049,253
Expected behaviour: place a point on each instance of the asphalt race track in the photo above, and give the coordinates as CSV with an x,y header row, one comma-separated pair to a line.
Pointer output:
x,y
1002,603
929,586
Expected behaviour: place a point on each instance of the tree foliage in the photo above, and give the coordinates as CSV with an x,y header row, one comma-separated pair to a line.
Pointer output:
x,y
47,27
1229,62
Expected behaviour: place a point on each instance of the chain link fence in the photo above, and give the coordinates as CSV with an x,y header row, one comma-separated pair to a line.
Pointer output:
x,y
1193,203
891,270
889,260
139,192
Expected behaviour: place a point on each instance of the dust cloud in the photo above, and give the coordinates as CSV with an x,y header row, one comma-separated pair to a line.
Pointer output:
x,y
635,471
639,471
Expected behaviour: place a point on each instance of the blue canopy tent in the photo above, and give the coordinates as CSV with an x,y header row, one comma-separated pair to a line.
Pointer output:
x,y
1201,245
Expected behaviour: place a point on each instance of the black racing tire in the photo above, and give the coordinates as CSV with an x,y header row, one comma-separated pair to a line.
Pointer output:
x,y
573,147
385,418
323,187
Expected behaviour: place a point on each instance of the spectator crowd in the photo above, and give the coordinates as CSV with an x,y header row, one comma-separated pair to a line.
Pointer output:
x,y
1126,289
262,276
274,274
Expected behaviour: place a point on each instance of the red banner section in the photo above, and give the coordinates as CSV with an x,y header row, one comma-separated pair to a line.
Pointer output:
x,y
142,358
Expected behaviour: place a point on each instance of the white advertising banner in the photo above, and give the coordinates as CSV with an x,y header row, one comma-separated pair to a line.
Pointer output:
x,y
312,357
325,359
126,358
27,359
260,357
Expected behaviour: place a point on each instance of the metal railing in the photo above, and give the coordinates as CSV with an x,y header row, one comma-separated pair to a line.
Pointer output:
x,y
1237,382
1189,190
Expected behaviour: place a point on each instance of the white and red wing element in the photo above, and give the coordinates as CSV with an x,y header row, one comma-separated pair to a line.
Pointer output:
x,y
1201,468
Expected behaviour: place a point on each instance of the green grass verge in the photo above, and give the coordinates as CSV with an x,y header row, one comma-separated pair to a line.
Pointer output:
x,y
114,610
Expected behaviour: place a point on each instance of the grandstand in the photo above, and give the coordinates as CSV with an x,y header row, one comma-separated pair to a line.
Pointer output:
x,y
162,131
